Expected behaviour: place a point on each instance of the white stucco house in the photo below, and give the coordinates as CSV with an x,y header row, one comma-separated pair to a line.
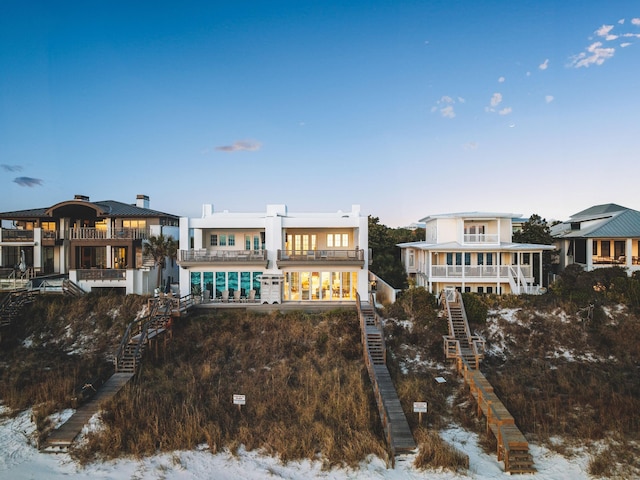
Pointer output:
x,y
601,236
473,252
274,256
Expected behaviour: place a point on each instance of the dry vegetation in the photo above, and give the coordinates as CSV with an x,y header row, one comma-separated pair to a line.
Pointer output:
x,y
307,394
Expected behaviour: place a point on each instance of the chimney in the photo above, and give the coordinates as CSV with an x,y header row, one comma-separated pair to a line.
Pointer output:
x,y
142,201
81,197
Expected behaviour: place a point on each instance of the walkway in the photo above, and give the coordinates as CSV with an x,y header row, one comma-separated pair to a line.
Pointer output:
x,y
394,422
467,351
63,437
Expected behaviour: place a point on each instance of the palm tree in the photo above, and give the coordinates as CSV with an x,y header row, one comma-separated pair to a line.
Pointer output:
x,y
160,248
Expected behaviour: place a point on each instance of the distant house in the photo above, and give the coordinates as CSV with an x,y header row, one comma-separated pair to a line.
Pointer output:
x,y
473,252
274,256
97,244
601,236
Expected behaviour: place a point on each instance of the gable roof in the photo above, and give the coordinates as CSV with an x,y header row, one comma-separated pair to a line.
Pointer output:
x,y
600,221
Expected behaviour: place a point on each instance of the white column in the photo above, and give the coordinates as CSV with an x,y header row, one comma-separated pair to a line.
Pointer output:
x,y
628,251
589,254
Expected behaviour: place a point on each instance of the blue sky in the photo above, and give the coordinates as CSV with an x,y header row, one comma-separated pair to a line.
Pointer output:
x,y
406,108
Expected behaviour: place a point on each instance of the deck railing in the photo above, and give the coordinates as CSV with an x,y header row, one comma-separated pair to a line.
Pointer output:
x,y
477,271
321,255
17,235
102,274
91,233
208,256
480,238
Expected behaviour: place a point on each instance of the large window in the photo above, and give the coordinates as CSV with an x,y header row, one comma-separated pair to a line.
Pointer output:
x,y
320,286
338,240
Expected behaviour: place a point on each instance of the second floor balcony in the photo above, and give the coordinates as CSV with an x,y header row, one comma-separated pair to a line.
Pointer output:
x,y
91,233
488,272
306,257
481,238
199,257
11,235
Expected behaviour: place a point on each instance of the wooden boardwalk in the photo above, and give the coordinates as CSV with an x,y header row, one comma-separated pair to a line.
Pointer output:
x,y
467,351
394,422
61,439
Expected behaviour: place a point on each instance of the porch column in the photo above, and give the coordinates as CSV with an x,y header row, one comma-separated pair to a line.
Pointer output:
x,y
540,270
499,267
589,243
628,254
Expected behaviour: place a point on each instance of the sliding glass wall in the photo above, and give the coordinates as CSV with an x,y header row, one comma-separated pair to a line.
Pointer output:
x,y
320,286
214,283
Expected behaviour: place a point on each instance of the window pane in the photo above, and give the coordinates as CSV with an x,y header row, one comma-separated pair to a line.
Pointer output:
x,y
221,283
233,283
345,239
232,240
214,240
247,242
245,283
330,240
256,283
223,240
207,279
336,240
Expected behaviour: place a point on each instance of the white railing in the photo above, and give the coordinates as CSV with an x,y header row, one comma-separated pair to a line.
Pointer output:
x,y
477,238
477,271
91,233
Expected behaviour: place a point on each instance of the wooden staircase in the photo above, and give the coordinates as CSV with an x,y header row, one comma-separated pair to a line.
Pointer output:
x,y
468,350
12,304
138,335
394,422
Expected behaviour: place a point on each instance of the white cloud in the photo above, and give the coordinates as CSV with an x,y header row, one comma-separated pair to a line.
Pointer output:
x,y
528,74
496,99
461,100
604,31
470,146
501,80
621,21
544,65
548,98
595,55
635,21
631,35
446,99
241,145
448,112
625,44
505,111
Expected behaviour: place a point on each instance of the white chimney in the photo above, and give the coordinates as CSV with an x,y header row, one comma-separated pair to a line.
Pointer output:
x,y
142,201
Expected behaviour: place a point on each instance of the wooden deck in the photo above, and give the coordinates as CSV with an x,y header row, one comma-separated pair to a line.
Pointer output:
x,y
60,439
461,346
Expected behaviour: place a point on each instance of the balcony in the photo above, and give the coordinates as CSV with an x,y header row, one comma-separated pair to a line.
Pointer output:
x,y
12,235
289,258
90,233
477,272
480,239
97,274
190,258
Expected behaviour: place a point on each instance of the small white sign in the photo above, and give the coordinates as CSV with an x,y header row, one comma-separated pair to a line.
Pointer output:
x,y
440,380
420,407
239,400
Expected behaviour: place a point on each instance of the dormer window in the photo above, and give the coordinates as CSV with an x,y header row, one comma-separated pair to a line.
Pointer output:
x,y
575,225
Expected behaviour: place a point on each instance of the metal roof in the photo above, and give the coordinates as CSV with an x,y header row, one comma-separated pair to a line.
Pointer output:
x,y
607,221
455,246
471,215
110,208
